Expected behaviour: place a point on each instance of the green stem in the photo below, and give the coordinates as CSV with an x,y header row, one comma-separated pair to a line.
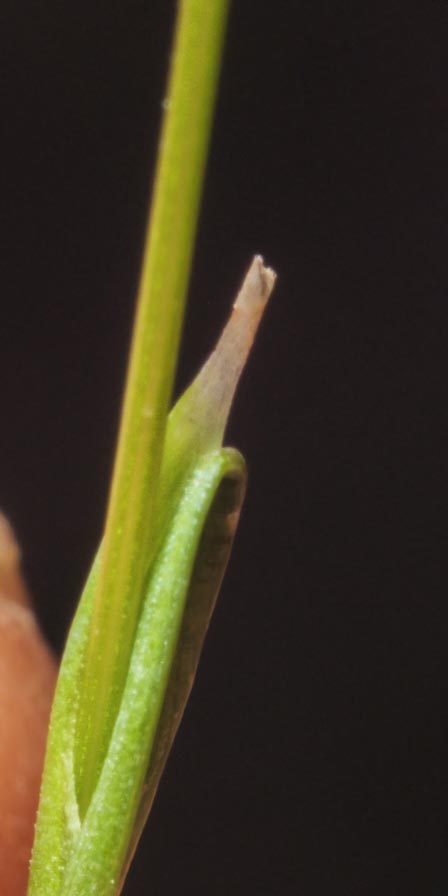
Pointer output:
x,y
167,260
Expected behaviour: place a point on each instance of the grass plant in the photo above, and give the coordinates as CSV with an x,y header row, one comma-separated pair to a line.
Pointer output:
x,y
175,497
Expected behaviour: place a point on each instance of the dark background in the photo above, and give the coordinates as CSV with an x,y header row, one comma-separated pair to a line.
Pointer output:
x,y
312,757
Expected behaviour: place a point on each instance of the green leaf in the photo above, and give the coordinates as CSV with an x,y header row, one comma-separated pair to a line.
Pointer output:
x,y
200,495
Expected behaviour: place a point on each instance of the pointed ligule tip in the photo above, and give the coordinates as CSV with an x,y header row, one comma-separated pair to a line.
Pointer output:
x,y
205,406
257,287
248,310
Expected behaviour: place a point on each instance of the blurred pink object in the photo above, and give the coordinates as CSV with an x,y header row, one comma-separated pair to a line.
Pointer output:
x,y
27,678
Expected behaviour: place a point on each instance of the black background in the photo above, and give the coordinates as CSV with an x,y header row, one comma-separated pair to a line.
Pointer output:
x,y
312,757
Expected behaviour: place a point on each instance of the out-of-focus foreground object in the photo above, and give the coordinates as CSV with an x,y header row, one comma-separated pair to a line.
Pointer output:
x,y
27,679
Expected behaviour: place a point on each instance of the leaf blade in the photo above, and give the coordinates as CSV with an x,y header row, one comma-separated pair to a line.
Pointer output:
x,y
96,863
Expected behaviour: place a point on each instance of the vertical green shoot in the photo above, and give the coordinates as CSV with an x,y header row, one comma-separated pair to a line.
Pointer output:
x,y
164,280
